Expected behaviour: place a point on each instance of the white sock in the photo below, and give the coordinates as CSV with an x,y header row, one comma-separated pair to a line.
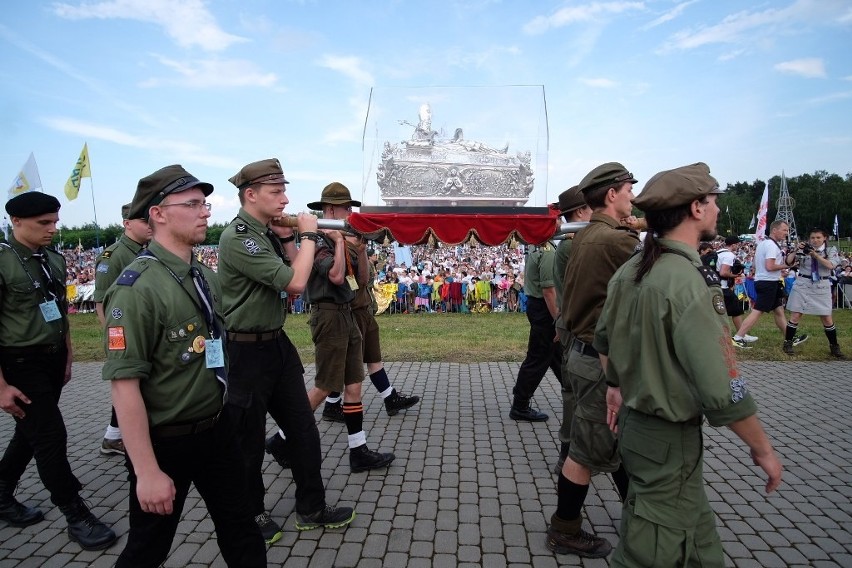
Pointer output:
x,y
281,433
387,392
112,433
330,400
356,440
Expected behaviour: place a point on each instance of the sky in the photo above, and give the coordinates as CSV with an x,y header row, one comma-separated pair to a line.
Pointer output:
x,y
750,87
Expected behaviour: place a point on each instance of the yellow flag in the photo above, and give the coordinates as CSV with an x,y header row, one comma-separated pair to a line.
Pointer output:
x,y
81,170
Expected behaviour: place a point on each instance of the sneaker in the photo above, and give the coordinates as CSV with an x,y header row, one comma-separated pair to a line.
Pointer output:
x,y
86,529
115,447
799,339
740,343
333,412
397,401
276,446
788,347
580,543
749,338
268,528
363,458
328,517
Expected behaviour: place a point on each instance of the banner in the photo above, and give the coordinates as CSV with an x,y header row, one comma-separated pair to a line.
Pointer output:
x,y
836,228
27,179
751,225
81,170
760,232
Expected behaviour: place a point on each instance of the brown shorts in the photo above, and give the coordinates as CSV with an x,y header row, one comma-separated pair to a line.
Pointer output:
x,y
338,352
369,328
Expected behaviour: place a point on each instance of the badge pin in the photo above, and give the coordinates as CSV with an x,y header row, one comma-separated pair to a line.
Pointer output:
x,y
184,357
173,335
116,313
182,332
190,327
198,344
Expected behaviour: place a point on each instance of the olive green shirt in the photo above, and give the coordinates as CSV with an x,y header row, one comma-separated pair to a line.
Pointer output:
x,y
22,290
560,261
668,342
253,277
156,331
111,263
599,249
538,273
319,287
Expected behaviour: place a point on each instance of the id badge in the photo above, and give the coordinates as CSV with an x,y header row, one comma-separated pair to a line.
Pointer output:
x,y
352,283
213,355
49,310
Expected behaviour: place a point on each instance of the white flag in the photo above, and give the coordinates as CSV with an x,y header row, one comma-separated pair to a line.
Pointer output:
x,y
760,232
836,227
751,225
27,179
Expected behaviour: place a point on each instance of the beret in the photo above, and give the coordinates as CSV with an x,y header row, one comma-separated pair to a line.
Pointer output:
x,y
604,175
334,193
264,171
679,186
152,189
32,204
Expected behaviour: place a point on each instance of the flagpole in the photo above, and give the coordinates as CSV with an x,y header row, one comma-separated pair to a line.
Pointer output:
x,y
95,211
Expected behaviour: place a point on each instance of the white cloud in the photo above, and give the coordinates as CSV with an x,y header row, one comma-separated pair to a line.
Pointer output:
x,y
598,82
806,67
213,73
350,66
830,98
581,13
849,78
493,55
669,16
187,22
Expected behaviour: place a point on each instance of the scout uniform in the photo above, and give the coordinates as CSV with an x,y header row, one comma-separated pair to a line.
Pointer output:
x,y
670,353
111,262
164,329
34,359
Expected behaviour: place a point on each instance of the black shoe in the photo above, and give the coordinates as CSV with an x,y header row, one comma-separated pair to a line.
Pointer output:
x,y
328,517
85,529
396,402
835,351
566,537
529,414
270,530
15,513
333,412
276,446
363,458
788,347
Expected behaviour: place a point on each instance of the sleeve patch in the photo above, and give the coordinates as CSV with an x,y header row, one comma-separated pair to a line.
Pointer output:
x,y
739,390
103,267
115,339
127,278
251,246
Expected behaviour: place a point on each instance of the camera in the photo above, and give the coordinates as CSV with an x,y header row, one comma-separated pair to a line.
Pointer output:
x,y
737,268
806,248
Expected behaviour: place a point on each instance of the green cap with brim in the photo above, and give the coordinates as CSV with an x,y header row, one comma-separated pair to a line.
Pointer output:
x,y
152,189
672,188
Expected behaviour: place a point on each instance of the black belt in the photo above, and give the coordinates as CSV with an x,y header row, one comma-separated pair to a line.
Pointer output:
x,y
584,348
333,306
253,337
175,430
30,350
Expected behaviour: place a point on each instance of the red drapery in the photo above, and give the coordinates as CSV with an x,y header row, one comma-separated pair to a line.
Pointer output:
x,y
491,230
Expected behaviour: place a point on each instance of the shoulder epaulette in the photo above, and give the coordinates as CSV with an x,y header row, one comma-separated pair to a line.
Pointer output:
x,y
128,278
710,276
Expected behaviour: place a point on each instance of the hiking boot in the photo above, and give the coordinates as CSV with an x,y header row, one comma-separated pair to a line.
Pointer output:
x,y
396,402
15,513
115,447
799,339
788,347
363,458
276,446
84,528
566,537
741,343
835,351
268,528
328,517
333,412
563,455
523,411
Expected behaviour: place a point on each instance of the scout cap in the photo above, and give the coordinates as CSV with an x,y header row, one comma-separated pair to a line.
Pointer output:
x,y
334,193
32,204
125,210
570,199
732,240
679,186
604,175
264,171
152,189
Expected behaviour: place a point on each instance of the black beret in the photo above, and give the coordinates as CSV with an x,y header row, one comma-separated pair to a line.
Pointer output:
x,y
264,171
32,204
152,189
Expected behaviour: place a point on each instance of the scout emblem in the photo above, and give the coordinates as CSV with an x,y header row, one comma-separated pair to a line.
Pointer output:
x,y
198,344
719,304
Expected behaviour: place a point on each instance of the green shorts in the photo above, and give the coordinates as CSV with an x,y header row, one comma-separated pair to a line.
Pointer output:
x,y
593,444
369,328
338,351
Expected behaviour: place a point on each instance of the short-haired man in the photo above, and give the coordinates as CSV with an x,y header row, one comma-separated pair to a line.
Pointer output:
x,y
108,267
771,265
811,292
167,366
729,267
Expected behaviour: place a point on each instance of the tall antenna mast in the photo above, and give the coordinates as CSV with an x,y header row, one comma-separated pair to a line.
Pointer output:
x,y
785,205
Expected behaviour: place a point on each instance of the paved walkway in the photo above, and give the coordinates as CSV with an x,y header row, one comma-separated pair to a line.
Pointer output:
x,y
471,487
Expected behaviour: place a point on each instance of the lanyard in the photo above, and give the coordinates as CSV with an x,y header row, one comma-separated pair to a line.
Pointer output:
x,y
46,269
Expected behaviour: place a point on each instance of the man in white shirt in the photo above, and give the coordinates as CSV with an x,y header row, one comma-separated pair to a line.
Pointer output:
x,y
729,267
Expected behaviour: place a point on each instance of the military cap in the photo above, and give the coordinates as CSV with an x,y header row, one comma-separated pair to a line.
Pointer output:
x,y
570,199
334,193
125,210
264,171
610,173
675,187
732,240
152,189
32,204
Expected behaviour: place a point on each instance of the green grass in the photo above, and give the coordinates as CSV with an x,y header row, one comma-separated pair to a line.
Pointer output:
x,y
470,338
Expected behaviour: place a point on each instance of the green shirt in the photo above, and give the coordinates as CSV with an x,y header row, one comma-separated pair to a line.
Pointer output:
x,y
319,287
22,290
155,333
538,273
560,261
111,263
668,342
253,277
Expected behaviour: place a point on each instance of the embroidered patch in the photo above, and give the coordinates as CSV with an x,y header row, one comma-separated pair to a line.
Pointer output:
x,y
116,313
103,267
739,389
241,229
719,304
251,246
107,254
115,339
127,278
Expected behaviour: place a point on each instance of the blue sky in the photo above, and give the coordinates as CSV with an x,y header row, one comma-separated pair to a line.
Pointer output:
x,y
750,87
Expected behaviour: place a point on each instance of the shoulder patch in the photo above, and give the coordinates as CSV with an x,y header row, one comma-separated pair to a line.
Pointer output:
x,y
251,246
103,267
241,228
719,303
115,338
127,278
711,277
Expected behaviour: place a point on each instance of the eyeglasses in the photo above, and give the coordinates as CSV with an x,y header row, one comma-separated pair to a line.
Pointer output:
x,y
193,204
